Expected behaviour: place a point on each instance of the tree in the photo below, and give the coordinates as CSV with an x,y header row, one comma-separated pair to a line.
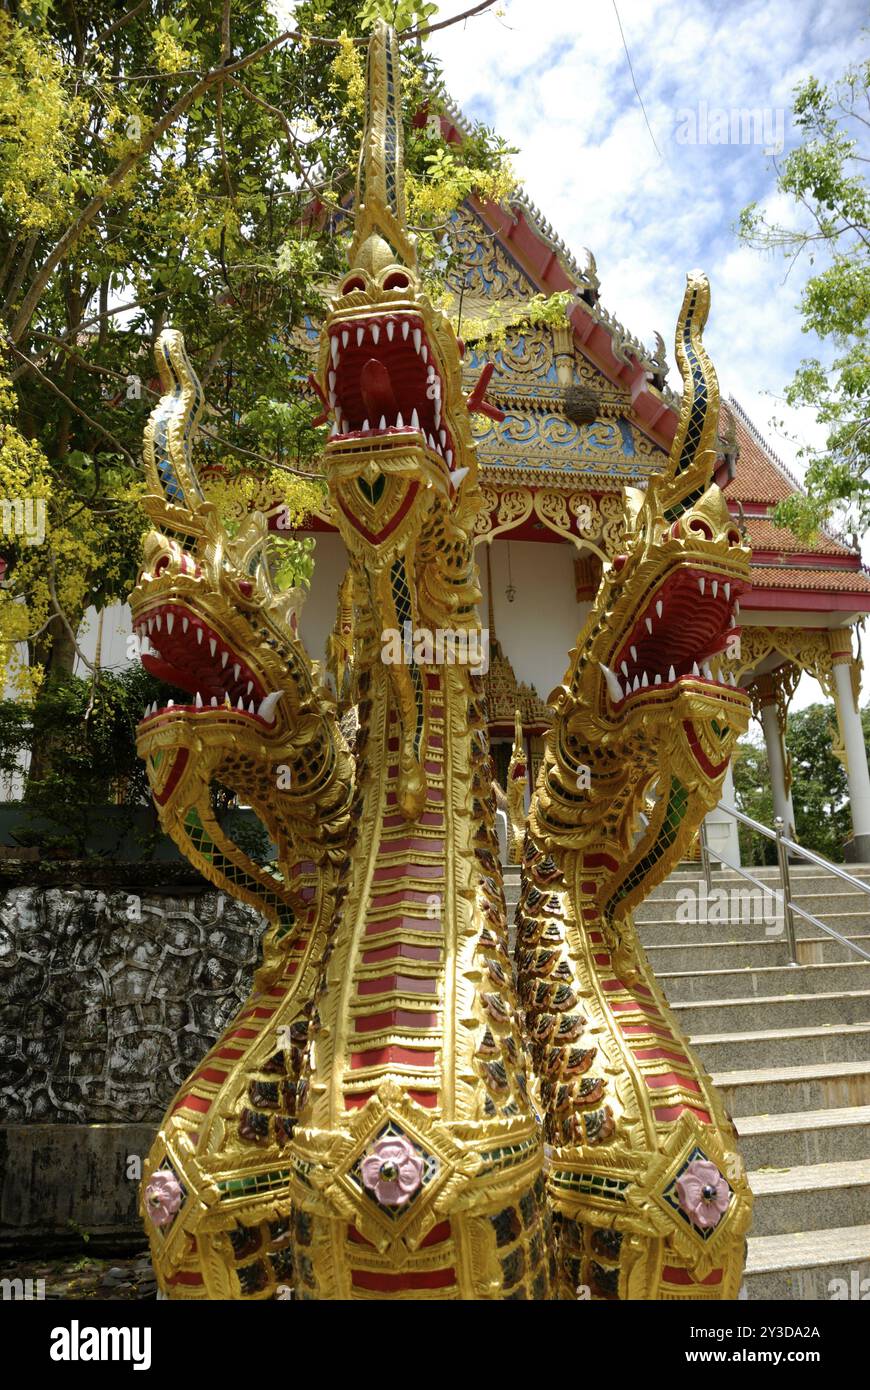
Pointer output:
x,y
185,163
824,177
819,787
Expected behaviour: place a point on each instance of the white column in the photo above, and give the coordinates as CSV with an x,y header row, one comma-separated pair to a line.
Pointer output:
x,y
722,830
852,735
773,742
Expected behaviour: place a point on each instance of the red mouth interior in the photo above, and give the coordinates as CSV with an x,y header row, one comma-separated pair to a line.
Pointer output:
x,y
383,379
178,647
685,624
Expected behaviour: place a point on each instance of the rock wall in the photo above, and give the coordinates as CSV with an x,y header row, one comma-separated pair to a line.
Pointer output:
x,y
109,996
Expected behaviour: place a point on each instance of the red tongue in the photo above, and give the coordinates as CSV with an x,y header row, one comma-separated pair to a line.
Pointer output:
x,y
377,392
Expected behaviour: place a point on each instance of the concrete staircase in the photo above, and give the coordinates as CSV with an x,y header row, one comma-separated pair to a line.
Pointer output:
x,y
789,1049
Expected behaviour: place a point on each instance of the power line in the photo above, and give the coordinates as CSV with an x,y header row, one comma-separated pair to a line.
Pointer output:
x,y
634,81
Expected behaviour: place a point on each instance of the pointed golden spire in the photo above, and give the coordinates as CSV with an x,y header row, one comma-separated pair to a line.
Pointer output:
x,y
381,236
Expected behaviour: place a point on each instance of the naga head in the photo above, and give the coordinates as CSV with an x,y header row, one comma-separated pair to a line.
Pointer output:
x,y
210,622
648,716
399,461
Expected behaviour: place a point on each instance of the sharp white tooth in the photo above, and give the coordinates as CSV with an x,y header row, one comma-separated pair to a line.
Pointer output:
x,y
715,587
170,704
424,353
383,423
332,380
199,634
333,400
237,670
170,622
360,334
613,686
736,610
334,431
430,372
442,435
225,656
623,666
406,328
198,701
400,424
250,687
267,706
185,624
726,589
437,414
432,445
365,425
333,347
644,680
241,705
391,328
701,583
457,477
708,673
633,651
695,671
158,622
251,709
212,645
733,679
449,458
659,607
418,339
672,675
636,685
648,622
345,338
658,679
415,419
150,625
376,333
214,701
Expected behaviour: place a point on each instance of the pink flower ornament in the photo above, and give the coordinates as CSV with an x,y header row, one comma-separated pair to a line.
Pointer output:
x,y
392,1170
162,1197
703,1193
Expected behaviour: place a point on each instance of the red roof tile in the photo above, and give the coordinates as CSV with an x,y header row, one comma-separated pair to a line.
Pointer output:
x,y
816,580
764,535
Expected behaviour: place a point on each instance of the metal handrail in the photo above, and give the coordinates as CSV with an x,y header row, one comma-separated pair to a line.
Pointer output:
x,y
783,895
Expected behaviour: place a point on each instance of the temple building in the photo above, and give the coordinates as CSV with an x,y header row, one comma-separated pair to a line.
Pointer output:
x,y
587,412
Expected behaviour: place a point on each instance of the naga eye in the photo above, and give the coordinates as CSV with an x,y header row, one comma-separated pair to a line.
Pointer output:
x,y
397,281
734,538
354,283
162,564
701,528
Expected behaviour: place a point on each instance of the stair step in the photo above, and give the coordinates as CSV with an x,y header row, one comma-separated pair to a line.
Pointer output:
x,y
786,1047
681,986
741,1015
666,931
810,1196
805,1136
806,1264
750,954
776,1090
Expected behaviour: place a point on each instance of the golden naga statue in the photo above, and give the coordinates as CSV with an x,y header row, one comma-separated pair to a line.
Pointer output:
x,y
369,1126
517,780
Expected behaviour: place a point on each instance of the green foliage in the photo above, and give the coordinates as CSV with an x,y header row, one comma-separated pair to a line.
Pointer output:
x,y
824,177
87,733
819,787
402,14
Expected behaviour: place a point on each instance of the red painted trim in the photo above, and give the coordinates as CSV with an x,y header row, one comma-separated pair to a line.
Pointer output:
x,y
391,525
412,1279
174,777
711,769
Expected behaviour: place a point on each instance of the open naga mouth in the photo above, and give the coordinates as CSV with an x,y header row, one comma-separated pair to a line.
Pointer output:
x,y
177,647
687,623
383,382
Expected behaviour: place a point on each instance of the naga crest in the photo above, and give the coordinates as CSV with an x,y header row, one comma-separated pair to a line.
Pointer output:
x,y
400,460
648,716
211,622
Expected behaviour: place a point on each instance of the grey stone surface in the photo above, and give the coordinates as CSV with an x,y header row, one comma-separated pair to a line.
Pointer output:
x,y
108,998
